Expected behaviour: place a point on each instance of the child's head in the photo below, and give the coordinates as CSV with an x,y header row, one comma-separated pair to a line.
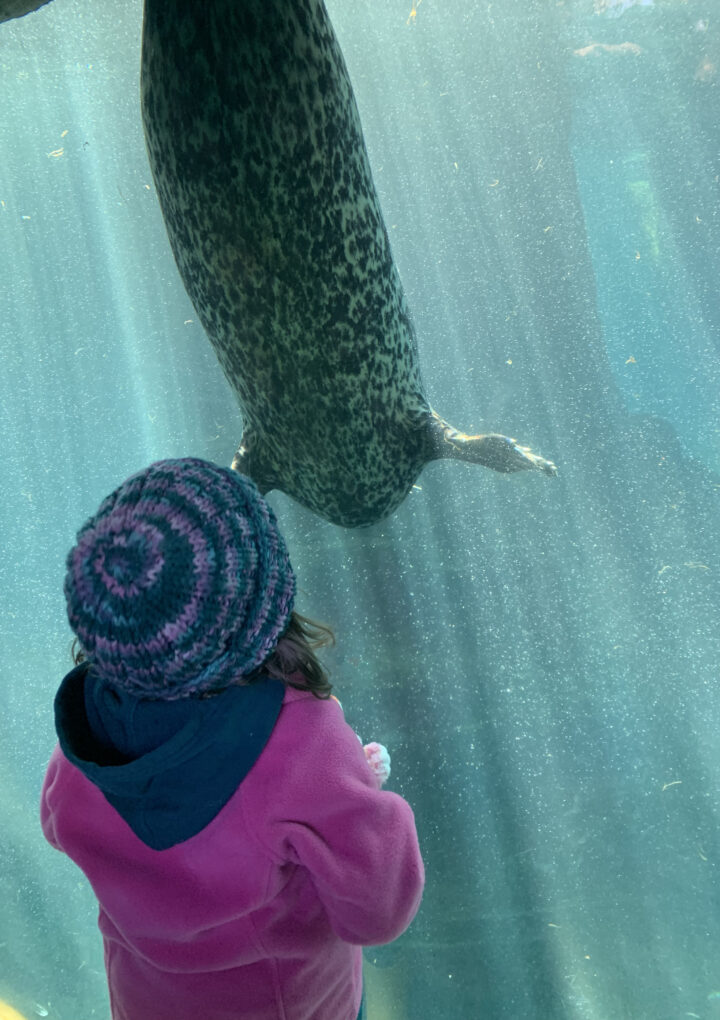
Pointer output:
x,y
181,583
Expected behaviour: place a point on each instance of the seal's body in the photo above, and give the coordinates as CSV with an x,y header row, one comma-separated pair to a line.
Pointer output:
x,y
258,157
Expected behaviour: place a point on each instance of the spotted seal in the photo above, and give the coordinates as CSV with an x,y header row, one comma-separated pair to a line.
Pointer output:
x,y
10,9
259,161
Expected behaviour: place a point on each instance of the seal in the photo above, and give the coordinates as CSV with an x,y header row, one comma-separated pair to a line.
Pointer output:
x,y
258,157
10,9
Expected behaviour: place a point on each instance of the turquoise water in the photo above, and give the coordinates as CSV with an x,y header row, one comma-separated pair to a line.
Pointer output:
x,y
540,657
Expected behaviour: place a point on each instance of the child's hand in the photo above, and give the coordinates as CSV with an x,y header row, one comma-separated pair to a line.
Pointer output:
x,y
376,755
379,760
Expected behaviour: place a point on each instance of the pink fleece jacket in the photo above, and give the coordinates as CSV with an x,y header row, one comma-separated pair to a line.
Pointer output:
x,y
262,914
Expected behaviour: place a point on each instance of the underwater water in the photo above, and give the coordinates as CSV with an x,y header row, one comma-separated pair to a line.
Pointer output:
x,y
541,657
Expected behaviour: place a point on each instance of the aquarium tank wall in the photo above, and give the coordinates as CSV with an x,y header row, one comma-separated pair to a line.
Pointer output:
x,y
540,656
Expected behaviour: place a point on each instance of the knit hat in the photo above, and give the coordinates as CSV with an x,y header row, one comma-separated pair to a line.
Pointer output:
x,y
181,582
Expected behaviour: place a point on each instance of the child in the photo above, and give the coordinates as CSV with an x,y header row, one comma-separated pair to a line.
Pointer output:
x,y
231,826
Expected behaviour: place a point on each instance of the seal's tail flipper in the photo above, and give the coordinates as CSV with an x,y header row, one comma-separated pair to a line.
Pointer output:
x,y
501,453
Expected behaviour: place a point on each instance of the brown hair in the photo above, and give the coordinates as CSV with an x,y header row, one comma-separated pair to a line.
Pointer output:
x,y
293,661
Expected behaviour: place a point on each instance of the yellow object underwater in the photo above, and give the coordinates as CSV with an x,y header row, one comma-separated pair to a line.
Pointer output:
x,y
8,1013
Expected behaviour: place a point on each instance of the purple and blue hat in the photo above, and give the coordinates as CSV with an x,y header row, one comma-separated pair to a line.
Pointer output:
x,y
181,583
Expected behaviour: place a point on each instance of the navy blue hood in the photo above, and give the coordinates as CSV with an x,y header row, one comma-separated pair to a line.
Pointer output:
x,y
168,767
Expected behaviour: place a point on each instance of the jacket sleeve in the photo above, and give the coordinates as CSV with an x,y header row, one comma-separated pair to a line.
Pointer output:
x,y
324,811
47,815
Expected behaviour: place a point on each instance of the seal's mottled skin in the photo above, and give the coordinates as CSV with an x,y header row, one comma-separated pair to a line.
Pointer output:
x,y
10,9
258,157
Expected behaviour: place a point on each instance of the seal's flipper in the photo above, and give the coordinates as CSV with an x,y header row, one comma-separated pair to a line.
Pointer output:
x,y
501,453
249,460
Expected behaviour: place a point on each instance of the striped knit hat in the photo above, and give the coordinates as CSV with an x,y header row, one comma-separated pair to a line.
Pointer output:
x,y
181,582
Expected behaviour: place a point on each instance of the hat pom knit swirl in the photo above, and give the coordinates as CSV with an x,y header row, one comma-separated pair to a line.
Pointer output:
x,y
181,582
